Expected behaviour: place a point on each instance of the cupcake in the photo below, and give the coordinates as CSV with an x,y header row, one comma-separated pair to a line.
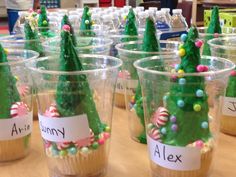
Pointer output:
x,y
228,123
88,154
15,115
181,124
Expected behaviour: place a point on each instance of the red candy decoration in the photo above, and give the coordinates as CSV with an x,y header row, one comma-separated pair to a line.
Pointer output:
x,y
160,117
23,90
233,73
86,141
199,43
66,28
63,145
52,111
155,134
18,109
200,68
39,11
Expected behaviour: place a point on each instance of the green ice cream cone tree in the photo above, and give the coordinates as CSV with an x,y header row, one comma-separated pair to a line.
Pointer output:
x,y
65,21
8,91
150,44
32,37
186,103
130,27
86,23
73,94
230,91
43,22
213,28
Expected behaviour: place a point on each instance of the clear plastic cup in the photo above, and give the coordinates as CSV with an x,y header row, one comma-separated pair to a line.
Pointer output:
x,y
181,137
226,48
86,45
226,32
87,121
130,52
96,31
16,106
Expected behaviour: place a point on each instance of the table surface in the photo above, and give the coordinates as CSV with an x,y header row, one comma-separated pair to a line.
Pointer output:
x,y
127,158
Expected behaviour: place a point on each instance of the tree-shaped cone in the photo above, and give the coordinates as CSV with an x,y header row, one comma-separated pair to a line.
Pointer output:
x,y
73,94
32,38
230,91
65,21
8,91
130,26
150,44
213,28
86,23
186,103
43,22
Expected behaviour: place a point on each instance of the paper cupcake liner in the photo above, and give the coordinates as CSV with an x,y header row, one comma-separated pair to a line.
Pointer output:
x,y
14,149
204,171
119,100
92,164
228,125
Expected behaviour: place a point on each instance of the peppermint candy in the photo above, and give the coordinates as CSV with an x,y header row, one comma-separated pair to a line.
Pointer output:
x,y
18,109
52,111
155,134
160,117
63,145
86,141
23,90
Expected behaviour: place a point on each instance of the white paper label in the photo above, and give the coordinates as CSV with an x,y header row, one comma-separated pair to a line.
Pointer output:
x,y
64,129
131,85
175,158
229,106
14,128
119,86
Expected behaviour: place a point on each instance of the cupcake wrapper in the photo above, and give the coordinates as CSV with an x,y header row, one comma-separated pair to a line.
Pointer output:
x,y
13,149
204,171
92,164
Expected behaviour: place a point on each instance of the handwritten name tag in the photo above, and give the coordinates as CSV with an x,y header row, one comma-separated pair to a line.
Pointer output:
x,y
14,128
130,84
173,157
64,129
229,106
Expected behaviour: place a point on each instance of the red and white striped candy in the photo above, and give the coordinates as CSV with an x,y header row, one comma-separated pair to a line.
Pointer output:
x,y
18,109
155,134
23,90
63,145
160,117
86,141
52,111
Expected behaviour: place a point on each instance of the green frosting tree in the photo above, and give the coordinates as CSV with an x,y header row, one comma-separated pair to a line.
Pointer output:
x,y
213,28
43,22
73,94
86,23
32,38
65,21
231,88
150,44
187,100
8,91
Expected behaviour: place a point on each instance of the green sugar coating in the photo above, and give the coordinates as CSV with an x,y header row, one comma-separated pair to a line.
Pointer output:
x,y
231,88
65,21
43,19
130,26
189,122
150,44
86,23
32,39
214,27
8,91
73,94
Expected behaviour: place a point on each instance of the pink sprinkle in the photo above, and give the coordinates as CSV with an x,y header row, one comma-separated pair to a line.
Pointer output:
x,y
216,35
200,68
66,28
106,135
47,144
101,141
199,43
199,143
233,73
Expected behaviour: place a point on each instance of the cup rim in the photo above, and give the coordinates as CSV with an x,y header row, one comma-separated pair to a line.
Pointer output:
x,y
11,63
220,35
212,45
208,73
119,63
10,39
118,47
109,43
